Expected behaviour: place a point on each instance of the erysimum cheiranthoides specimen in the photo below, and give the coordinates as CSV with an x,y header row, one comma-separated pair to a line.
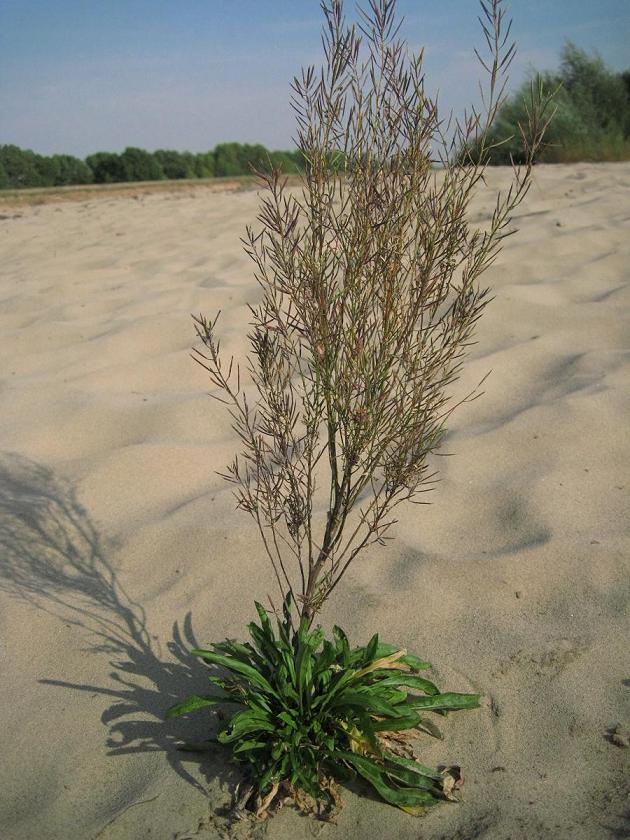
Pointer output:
x,y
370,295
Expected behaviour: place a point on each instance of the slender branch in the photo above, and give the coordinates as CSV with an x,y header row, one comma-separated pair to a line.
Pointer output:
x,y
369,281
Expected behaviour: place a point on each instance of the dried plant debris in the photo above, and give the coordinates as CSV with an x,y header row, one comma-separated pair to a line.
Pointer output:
x,y
620,735
452,781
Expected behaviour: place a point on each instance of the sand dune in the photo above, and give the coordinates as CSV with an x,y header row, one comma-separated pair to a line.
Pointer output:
x,y
120,547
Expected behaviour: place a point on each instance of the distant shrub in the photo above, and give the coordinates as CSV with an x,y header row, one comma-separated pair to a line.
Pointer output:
x,y
599,95
4,178
592,119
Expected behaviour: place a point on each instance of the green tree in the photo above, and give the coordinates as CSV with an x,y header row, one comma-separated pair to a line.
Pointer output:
x,y
286,162
24,168
20,166
140,165
244,158
71,170
592,118
204,164
599,95
47,169
175,165
255,156
227,159
107,167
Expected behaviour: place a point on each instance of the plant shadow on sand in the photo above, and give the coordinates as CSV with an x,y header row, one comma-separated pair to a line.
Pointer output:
x,y
52,557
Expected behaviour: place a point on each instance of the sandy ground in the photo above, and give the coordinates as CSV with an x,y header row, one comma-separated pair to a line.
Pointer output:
x,y
137,189
120,547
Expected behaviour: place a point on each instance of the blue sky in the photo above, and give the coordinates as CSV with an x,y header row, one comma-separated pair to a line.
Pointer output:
x,y
80,76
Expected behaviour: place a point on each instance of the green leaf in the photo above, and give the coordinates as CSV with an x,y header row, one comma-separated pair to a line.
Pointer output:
x,y
373,704
264,620
244,652
258,704
287,718
411,764
450,700
412,661
239,667
408,777
408,721
415,663
286,690
286,652
325,658
304,669
315,638
244,723
374,774
394,697
246,746
191,704
370,649
339,682
277,750
342,646
341,772
367,729
265,646
410,681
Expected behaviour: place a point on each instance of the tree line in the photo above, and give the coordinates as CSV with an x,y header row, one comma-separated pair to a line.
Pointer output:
x,y
591,122
25,168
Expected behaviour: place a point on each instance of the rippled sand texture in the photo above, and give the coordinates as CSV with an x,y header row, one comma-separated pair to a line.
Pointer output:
x,y
120,547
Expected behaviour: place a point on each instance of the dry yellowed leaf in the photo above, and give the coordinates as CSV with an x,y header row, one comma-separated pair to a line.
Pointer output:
x,y
452,780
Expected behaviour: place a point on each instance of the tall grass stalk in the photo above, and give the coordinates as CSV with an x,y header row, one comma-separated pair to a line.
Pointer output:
x,y
370,296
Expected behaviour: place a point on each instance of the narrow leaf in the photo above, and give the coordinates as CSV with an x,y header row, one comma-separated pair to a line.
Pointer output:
x,y
254,676
445,702
408,659
373,773
410,681
412,764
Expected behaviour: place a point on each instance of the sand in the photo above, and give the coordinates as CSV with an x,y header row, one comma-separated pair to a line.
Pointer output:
x,y
121,548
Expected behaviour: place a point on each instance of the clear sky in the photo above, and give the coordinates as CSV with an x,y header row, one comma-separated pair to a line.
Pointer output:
x,y
80,76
